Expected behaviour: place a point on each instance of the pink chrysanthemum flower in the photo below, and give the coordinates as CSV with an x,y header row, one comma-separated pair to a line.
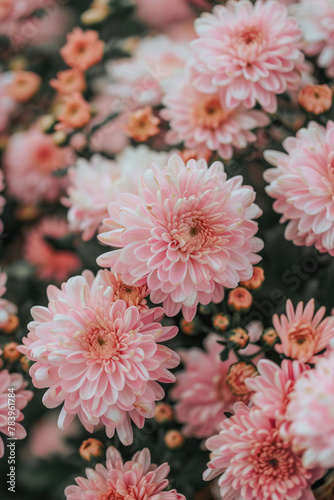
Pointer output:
x,y
189,233
201,390
302,183
22,397
137,80
50,262
30,159
273,386
135,479
199,119
99,357
95,183
310,413
250,52
302,333
316,20
6,307
255,462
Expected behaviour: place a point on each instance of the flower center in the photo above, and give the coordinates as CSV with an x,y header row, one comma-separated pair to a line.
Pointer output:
x,y
272,458
100,341
303,336
112,494
249,43
209,113
191,232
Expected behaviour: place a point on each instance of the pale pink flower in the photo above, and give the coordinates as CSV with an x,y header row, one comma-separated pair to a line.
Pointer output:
x,y
6,307
100,357
50,263
201,390
22,397
30,159
316,20
200,119
250,52
254,461
302,184
95,183
311,414
302,333
137,478
189,233
273,386
138,79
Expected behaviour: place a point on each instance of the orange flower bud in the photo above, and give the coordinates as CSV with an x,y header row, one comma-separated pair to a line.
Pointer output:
x,y
24,86
10,352
239,299
174,439
24,362
13,323
221,322
238,338
163,413
316,98
256,280
91,448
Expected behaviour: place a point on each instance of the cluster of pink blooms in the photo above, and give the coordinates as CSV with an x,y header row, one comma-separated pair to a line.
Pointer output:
x,y
179,232
275,448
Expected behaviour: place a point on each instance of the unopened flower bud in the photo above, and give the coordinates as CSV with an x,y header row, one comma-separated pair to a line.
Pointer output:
x,y
10,352
91,448
174,439
163,413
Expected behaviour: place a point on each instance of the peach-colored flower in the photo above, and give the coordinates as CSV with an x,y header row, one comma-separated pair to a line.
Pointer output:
x,y
24,85
237,374
302,333
50,263
83,49
142,124
239,299
76,112
316,98
69,81
256,280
